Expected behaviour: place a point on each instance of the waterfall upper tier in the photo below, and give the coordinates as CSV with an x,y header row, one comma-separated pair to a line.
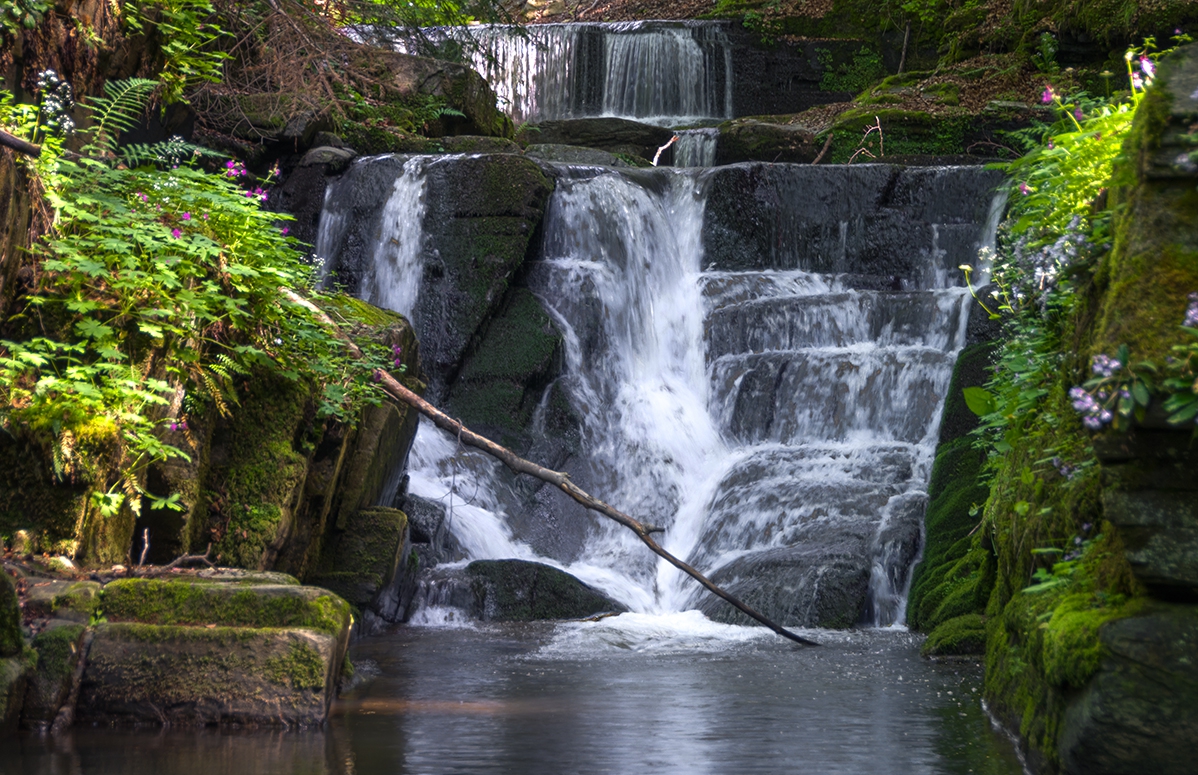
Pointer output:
x,y
657,72
753,356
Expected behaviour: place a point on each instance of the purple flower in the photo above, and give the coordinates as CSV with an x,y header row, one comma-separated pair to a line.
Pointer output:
x,y
1105,366
174,426
397,349
176,233
1024,188
377,377
1136,81
397,363
187,216
1192,311
1078,114
1148,67
204,216
285,230
1051,145
1048,96
1086,527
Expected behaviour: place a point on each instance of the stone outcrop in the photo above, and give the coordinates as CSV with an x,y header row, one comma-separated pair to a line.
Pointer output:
x,y
514,591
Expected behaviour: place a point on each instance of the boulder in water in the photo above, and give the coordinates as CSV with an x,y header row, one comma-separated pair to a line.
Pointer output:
x,y
522,591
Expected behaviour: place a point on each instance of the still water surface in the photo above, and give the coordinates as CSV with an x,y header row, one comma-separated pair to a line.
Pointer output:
x,y
631,694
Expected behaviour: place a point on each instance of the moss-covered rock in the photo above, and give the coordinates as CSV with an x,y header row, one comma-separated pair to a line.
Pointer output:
x,y
75,601
14,674
364,557
518,356
960,636
520,591
196,676
748,139
11,640
482,214
179,602
58,651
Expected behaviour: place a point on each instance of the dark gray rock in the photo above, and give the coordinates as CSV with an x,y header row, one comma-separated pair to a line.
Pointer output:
x,y
570,154
614,135
1139,714
870,219
1160,533
522,591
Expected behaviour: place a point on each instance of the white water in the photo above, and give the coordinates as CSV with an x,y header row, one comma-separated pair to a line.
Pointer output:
x,y
652,72
398,261
696,147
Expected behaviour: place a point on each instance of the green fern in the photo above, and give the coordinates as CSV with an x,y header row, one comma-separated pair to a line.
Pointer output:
x,y
167,153
118,111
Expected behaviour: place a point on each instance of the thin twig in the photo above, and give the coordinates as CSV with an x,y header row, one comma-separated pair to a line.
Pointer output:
x,y
824,150
558,479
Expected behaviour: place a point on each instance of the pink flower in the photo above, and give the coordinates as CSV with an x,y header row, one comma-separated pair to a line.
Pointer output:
x,y
176,233
285,230
1024,188
1147,66
1078,114
187,216
1048,96
1051,145
204,216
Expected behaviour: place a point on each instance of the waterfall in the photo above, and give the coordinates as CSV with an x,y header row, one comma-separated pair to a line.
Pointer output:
x,y
657,72
696,147
764,383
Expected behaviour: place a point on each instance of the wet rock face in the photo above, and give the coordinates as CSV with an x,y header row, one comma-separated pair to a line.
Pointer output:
x,y
614,135
861,220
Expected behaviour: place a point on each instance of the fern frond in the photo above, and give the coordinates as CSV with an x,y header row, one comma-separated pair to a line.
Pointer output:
x,y
168,153
120,110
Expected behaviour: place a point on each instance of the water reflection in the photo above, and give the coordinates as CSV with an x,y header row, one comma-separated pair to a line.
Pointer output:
x,y
577,699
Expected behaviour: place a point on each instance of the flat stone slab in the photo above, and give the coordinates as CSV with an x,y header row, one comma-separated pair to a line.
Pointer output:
x,y
194,676
179,602
61,599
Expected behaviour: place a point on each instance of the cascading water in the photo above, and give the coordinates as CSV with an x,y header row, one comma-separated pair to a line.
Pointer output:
x,y
659,72
696,147
773,406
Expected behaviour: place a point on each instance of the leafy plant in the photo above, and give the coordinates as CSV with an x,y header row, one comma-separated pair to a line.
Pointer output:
x,y
21,15
188,36
160,287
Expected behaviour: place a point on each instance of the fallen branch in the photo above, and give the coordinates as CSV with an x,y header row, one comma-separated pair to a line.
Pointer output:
x,y
179,562
823,151
558,479
19,145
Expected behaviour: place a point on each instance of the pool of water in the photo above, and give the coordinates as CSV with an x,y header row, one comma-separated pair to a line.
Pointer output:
x,y
628,694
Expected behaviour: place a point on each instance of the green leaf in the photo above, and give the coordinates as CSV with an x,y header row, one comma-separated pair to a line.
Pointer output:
x,y
1140,393
92,329
980,401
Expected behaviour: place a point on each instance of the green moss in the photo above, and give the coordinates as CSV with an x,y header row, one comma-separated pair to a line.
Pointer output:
x,y
904,133
301,668
11,641
152,601
519,355
364,556
57,651
960,635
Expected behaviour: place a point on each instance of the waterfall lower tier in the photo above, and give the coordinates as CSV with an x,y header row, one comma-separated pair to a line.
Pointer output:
x,y
754,357
658,72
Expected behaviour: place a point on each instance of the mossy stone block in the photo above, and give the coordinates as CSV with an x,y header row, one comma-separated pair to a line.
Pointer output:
x,y
198,676
962,635
176,602
521,591
14,674
11,641
58,650
364,557
61,599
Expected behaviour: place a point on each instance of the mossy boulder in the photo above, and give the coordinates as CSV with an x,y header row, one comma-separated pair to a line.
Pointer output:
x,y
1142,701
11,640
522,591
748,139
58,651
501,383
71,600
572,154
614,135
198,676
363,559
960,636
179,602
14,674
482,214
